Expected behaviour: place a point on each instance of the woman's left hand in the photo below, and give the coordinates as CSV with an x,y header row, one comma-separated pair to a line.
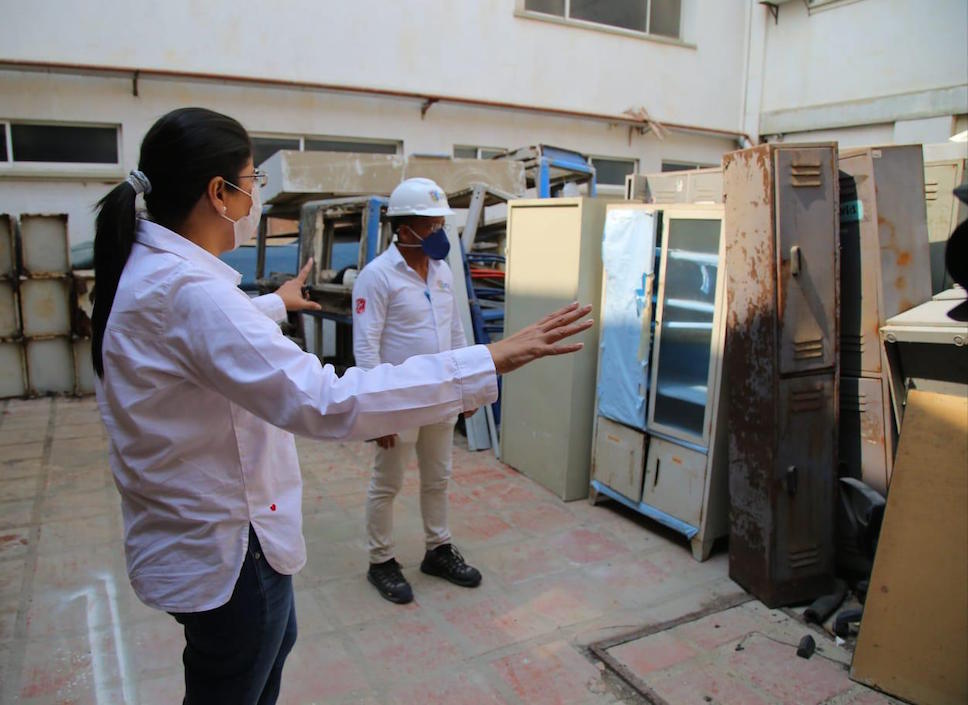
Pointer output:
x,y
293,295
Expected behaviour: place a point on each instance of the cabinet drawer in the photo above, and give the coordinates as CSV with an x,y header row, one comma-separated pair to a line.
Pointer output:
x,y
619,458
675,479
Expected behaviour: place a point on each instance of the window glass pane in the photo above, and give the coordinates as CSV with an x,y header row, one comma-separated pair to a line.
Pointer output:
x,y
265,147
688,305
664,17
612,172
678,166
65,143
465,152
490,153
549,7
617,13
322,145
3,142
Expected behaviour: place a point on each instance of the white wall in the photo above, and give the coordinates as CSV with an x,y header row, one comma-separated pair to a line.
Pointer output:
x,y
472,48
40,96
865,62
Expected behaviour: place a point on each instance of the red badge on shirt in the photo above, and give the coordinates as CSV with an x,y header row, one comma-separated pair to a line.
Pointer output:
x,y
360,305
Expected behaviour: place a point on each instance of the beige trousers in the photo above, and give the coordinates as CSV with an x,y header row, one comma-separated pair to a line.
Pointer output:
x,y
434,446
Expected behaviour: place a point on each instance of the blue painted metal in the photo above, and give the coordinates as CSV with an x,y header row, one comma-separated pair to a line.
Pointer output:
x,y
544,178
374,206
687,530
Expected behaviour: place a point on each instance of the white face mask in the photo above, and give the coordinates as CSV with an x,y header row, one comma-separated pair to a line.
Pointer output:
x,y
246,227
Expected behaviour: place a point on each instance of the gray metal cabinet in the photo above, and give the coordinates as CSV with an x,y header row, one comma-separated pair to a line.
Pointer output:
x,y
944,212
782,269
885,270
691,186
554,256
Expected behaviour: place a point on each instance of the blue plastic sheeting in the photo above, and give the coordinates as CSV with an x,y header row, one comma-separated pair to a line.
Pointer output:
x,y
628,248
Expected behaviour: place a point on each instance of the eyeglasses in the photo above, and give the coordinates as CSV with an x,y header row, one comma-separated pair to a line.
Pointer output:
x,y
261,178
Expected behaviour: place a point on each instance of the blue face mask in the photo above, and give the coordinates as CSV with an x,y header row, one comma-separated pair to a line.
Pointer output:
x,y
435,245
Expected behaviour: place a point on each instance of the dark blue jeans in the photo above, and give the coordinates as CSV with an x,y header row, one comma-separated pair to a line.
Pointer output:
x,y
234,653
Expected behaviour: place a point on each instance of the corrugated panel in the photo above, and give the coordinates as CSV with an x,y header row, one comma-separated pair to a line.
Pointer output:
x,y
50,366
12,370
45,307
43,243
9,310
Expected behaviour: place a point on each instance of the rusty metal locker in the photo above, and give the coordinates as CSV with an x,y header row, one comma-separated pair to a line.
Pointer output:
x,y
782,267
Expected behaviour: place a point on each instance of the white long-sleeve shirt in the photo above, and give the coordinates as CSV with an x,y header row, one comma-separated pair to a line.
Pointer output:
x,y
200,395
396,314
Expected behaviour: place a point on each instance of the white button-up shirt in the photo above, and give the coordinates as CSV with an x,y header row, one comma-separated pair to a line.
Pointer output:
x,y
396,314
200,395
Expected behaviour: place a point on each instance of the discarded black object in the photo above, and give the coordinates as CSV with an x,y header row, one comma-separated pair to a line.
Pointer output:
x,y
844,619
956,257
824,606
860,589
807,647
859,514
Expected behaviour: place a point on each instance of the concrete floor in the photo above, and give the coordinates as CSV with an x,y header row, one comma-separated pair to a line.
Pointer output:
x,y
557,578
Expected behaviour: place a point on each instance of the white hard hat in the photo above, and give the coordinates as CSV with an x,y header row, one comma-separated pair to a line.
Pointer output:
x,y
418,196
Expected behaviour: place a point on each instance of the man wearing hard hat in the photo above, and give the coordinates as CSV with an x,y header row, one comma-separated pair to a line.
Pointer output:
x,y
403,305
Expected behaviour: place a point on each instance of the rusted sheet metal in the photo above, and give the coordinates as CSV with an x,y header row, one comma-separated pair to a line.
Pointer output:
x,y
8,264
82,301
44,245
782,430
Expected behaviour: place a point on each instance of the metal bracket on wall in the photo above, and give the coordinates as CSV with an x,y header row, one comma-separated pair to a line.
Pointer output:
x,y
426,106
134,83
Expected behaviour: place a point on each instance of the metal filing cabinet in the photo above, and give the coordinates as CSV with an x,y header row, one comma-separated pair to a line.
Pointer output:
x,y
12,383
553,257
885,270
944,212
782,265
673,384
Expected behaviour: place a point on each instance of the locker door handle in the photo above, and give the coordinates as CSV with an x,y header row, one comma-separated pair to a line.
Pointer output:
x,y
795,260
655,479
791,480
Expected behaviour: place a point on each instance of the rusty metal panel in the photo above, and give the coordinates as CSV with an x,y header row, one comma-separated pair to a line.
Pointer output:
x,y
885,247
806,222
83,367
864,431
82,302
806,461
8,260
619,458
50,366
12,379
45,306
44,245
9,310
777,198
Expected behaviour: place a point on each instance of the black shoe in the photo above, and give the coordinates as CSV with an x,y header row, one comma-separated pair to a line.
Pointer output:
x,y
387,578
447,562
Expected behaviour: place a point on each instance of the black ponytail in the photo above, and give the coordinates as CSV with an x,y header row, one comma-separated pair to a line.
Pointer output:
x,y
180,155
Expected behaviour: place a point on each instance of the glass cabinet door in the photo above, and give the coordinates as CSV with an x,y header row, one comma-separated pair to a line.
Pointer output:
x,y
685,323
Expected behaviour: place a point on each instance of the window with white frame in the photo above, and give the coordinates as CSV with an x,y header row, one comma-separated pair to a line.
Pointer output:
x,y
610,171
58,143
669,165
264,146
656,17
467,151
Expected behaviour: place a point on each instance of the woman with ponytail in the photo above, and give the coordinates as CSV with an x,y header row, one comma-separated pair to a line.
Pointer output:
x,y
201,393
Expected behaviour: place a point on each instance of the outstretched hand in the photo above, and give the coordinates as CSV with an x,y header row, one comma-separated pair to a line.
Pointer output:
x,y
293,295
541,339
